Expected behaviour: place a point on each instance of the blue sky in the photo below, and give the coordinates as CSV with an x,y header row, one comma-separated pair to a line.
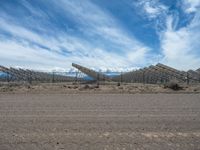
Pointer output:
x,y
101,34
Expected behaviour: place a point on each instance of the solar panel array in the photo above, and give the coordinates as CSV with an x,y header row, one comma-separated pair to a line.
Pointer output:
x,y
159,73
13,74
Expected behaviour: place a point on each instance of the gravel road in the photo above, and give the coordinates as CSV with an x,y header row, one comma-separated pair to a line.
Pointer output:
x,y
99,121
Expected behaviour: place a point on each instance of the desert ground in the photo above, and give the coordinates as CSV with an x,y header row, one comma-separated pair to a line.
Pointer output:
x,y
35,119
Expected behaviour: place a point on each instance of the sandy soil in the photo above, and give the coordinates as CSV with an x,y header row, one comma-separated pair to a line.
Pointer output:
x,y
99,121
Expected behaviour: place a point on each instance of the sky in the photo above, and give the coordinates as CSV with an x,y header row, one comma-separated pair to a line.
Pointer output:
x,y
113,35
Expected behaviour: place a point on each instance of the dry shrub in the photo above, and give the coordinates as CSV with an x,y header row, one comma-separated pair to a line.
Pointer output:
x,y
173,85
75,87
85,87
89,87
96,86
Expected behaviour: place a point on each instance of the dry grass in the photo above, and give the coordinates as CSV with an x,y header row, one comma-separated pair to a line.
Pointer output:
x,y
98,88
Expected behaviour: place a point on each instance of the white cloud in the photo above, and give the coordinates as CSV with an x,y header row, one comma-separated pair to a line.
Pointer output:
x,y
20,50
97,22
154,11
181,47
191,5
18,54
152,8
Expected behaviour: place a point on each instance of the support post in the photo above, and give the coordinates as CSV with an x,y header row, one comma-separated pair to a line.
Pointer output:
x,y
188,80
143,77
53,77
121,78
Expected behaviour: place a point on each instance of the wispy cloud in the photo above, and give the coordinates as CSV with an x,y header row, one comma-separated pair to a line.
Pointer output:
x,y
101,25
28,46
181,47
54,34
191,5
152,8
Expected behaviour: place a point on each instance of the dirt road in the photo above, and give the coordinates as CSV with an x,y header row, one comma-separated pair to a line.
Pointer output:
x,y
99,121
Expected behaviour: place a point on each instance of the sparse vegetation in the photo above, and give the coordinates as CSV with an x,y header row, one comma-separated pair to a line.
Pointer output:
x,y
99,88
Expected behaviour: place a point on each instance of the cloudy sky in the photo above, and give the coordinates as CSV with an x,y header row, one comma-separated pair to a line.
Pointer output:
x,y
102,34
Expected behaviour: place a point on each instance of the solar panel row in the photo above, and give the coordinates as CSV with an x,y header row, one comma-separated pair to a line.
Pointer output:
x,y
159,73
14,74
